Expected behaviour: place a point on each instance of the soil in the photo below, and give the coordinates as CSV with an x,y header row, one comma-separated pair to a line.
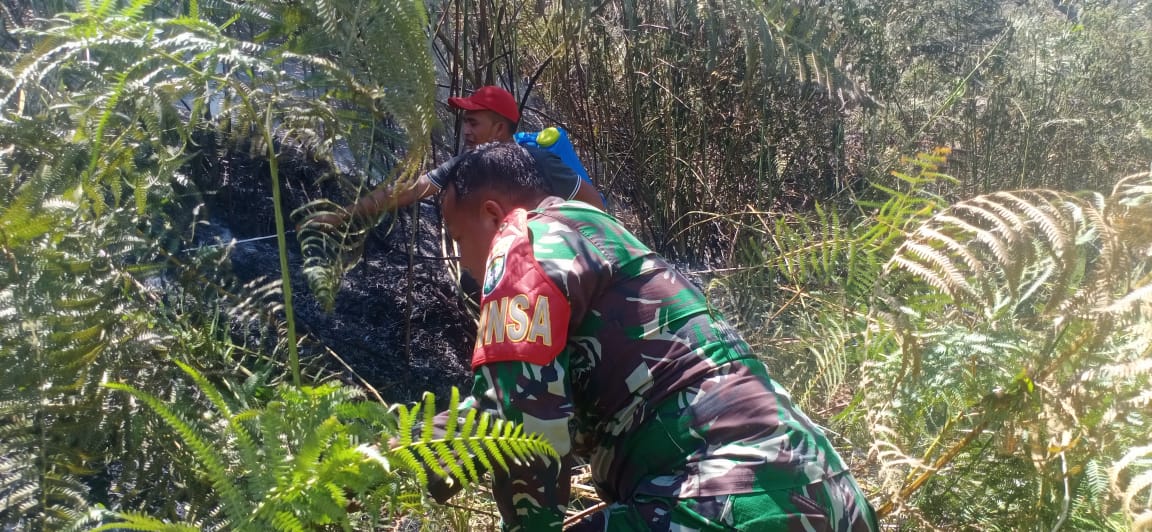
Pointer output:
x,y
401,334
399,348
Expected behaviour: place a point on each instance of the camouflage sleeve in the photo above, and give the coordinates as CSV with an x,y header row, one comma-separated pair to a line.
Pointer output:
x,y
531,496
521,372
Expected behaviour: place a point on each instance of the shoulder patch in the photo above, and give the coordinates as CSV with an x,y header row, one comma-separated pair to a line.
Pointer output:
x,y
494,271
523,315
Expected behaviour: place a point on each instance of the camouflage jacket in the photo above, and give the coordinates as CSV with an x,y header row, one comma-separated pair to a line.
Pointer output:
x,y
594,341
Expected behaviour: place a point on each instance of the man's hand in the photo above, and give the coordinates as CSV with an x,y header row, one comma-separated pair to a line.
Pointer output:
x,y
441,488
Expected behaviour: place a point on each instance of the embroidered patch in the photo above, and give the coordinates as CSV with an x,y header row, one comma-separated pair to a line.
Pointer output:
x,y
493,274
495,269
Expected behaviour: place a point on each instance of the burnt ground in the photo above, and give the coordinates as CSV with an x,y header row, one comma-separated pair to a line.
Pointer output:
x,y
400,347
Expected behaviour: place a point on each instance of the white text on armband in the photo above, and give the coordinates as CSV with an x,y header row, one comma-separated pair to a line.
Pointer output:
x,y
514,319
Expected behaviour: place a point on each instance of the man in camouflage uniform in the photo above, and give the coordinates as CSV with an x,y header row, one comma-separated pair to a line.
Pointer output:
x,y
592,340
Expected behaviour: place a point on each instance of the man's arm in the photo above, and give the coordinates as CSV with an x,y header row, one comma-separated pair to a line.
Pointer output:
x,y
531,496
385,199
379,201
538,285
562,180
588,194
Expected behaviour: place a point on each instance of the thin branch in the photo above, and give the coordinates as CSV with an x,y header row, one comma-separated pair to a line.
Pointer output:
x,y
532,82
353,372
577,517
471,509
944,459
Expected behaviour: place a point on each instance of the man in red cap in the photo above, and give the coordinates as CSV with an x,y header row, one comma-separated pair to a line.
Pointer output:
x,y
490,115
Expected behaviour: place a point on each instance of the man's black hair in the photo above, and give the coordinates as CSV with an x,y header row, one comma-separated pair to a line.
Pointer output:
x,y
502,167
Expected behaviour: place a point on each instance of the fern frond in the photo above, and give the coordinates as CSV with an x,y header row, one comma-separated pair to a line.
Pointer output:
x,y
481,438
287,522
1012,228
1129,208
144,523
927,259
244,440
1029,280
1136,488
328,251
1095,481
216,469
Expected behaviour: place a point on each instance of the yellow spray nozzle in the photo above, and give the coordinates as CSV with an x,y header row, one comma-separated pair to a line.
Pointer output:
x,y
547,137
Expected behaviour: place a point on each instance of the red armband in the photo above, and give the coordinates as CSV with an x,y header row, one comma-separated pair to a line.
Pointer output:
x,y
523,314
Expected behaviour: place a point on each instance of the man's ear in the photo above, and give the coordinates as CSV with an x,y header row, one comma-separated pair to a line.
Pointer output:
x,y
492,214
500,128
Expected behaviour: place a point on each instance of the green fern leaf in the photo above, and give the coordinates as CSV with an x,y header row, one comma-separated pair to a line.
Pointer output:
x,y
287,522
218,473
144,523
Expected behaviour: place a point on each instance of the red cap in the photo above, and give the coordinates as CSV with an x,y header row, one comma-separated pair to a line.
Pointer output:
x,y
489,98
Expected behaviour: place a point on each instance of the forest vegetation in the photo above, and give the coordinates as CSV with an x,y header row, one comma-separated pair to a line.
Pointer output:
x,y
932,219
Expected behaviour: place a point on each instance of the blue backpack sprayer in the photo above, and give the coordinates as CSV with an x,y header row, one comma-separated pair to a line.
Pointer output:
x,y
555,140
